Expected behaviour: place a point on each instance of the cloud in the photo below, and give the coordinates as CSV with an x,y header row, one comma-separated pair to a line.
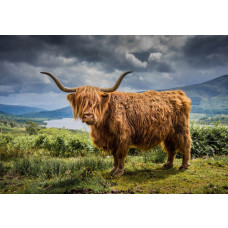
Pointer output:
x,y
113,52
206,51
158,62
134,61
154,56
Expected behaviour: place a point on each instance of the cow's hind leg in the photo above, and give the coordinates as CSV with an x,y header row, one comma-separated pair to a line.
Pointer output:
x,y
185,149
169,147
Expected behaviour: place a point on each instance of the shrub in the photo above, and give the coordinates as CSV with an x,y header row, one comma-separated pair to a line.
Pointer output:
x,y
32,128
135,151
209,140
63,143
3,169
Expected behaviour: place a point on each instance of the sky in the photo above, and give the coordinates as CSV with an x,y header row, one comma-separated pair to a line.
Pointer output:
x,y
157,62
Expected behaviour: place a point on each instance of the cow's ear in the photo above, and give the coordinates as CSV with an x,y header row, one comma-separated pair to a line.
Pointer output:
x,y
104,96
71,98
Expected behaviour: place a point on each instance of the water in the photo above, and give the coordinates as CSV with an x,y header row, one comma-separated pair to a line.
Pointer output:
x,y
68,123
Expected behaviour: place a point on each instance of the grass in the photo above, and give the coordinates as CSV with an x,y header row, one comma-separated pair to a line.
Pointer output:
x,y
223,119
13,131
196,116
91,175
62,161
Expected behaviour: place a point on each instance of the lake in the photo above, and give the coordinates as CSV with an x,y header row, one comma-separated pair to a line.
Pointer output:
x,y
68,123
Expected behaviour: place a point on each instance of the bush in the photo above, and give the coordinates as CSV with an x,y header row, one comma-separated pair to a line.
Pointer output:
x,y
58,143
3,169
209,140
15,146
64,143
32,128
135,151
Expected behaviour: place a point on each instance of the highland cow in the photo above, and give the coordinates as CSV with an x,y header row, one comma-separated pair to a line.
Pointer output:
x,y
120,120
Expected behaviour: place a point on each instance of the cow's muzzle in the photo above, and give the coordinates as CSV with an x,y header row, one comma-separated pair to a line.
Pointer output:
x,y
88,118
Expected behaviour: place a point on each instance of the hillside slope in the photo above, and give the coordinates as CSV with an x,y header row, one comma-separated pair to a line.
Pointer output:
x,y
210,97
55,114
18,110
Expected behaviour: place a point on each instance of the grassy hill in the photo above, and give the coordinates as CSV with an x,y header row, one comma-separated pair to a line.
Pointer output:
x,y
9,118
55,114
18,110
210,97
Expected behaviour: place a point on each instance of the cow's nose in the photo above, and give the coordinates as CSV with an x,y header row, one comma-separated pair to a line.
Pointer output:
x,y
86,115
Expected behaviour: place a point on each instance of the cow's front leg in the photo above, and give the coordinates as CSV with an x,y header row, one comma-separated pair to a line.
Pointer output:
x,y
121,155
115,165
120,169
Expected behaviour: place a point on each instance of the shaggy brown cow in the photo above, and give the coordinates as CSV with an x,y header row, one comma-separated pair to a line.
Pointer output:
x,y
120,120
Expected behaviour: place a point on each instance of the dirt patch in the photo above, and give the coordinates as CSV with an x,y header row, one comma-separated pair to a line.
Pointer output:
x,y
79,191
117,191
12,175
90,191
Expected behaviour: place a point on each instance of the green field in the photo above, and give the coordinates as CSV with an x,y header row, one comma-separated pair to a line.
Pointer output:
x,y
90,175
62,161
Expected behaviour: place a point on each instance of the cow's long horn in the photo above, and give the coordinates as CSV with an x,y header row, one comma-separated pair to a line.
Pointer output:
x,y
59,84
115,87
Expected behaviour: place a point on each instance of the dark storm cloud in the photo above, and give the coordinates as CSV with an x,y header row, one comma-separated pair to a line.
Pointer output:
x,y
164,67
109,50
143,56
21,48
95,49
207,51
158,62
22,57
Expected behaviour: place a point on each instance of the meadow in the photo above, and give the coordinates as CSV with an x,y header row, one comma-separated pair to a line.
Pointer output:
x,y
64,161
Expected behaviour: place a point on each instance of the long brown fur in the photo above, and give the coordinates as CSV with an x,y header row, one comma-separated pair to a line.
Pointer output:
x,y
141,120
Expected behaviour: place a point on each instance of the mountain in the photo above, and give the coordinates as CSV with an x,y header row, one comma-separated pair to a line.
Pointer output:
x,y
3,113
55,114
210,97
18,110
9,118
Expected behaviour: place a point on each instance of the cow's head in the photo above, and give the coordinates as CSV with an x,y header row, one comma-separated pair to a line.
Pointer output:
x,y
89,103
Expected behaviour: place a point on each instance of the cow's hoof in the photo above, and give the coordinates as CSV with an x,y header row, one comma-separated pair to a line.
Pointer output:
x,y
183,167
113,170
167,165
118,172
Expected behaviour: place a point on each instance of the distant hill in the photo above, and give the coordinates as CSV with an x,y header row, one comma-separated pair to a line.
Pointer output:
x,y
18,110
210,97
4,117
3,113
55,114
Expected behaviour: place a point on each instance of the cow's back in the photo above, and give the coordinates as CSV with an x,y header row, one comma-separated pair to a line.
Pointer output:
x,y
148,117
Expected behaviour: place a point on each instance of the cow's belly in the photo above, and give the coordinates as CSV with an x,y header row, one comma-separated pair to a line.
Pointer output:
x,y
149,139
148,144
